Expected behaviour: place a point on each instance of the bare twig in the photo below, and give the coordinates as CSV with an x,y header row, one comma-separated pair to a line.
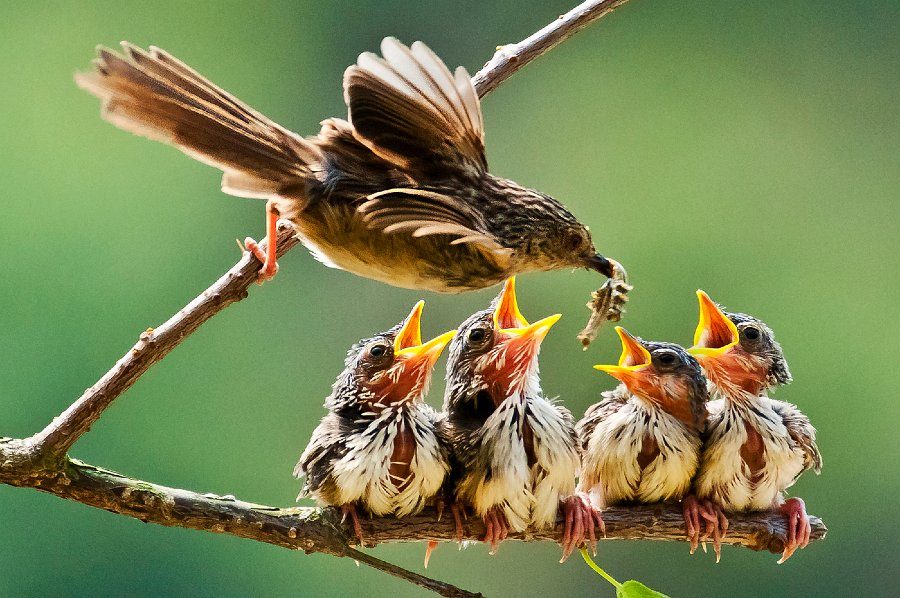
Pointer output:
x,y
510,58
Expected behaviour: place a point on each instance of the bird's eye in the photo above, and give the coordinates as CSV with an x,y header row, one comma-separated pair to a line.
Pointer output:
x,y
666,358
752,333
378,351
477,335
574,241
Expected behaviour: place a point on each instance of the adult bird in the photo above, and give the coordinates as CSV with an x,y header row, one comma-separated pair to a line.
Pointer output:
x,y
755,447
641,442
513,451
378,447
399,192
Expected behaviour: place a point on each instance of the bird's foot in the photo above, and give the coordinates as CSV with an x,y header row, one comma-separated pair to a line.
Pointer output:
x,y
267,257
798,527
714,523
350,509
580,521
459,513
497,528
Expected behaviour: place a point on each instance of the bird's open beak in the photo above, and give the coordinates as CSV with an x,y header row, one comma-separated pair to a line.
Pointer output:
x,y
632,362
507,314
518,348
716,334
412,355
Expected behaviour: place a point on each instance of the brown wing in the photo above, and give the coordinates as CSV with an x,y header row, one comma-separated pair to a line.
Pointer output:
x,y
409,109
802,432
423,213
612,401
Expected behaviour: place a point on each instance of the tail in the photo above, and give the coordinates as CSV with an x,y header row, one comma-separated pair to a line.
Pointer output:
x,y
153,94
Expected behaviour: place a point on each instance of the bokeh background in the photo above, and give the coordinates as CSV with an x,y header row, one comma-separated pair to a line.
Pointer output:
x,y
748,148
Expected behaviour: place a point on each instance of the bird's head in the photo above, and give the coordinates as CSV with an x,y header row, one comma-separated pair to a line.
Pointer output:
x,y
662,374
496,350
550,237
391,367
738,352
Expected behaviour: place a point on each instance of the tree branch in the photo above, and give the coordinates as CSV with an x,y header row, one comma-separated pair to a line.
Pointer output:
x,y
320,530
510,58
40,461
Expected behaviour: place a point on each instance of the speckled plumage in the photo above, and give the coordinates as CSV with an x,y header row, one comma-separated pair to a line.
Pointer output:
x,y
512,447
383,452
399,192
744,419
644,446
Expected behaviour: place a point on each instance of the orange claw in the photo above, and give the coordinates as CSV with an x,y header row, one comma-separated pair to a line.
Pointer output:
x,y
267,257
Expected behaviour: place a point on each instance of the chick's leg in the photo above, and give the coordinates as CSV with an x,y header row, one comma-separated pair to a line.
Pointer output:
x,y
497,527
580,520
267,257
799,527
714,523
350,509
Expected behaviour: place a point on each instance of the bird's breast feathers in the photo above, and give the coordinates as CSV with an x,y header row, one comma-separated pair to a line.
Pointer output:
x,y
528,493
724,475
364,472
611,460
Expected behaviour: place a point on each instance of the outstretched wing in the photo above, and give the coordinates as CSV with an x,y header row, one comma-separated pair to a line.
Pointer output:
x,y
408,108
802,432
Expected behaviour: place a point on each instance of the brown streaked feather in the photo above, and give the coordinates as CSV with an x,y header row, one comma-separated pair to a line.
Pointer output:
x,y
423,213
802,432
152,94
409,109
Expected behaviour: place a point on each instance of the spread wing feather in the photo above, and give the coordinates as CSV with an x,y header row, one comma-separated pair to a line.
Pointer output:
x,y
408,108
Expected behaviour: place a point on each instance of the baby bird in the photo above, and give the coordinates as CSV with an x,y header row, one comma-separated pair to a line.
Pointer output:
x,y
641,442
755,447
378,447
514,451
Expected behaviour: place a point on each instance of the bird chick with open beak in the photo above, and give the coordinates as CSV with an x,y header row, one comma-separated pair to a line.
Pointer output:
x,y
641,443
514,451
755,447
378,447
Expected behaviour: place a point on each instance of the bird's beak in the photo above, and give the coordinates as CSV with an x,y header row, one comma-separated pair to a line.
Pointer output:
x,y
601,265
716,334
518,348
408,345
507,314
632,362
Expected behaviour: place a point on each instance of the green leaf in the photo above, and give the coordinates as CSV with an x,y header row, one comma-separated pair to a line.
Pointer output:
x,y
635,589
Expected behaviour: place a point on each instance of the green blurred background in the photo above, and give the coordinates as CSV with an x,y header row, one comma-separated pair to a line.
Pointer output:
x,y
748,148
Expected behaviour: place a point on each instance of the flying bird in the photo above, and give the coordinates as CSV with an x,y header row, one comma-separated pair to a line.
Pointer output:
x,y
379,447
755,447
399,192
514,452
641,442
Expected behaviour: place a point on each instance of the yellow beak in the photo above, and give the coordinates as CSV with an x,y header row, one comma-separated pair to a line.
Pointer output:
x,y
633,359
507,314
409,340
533,332
716,334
